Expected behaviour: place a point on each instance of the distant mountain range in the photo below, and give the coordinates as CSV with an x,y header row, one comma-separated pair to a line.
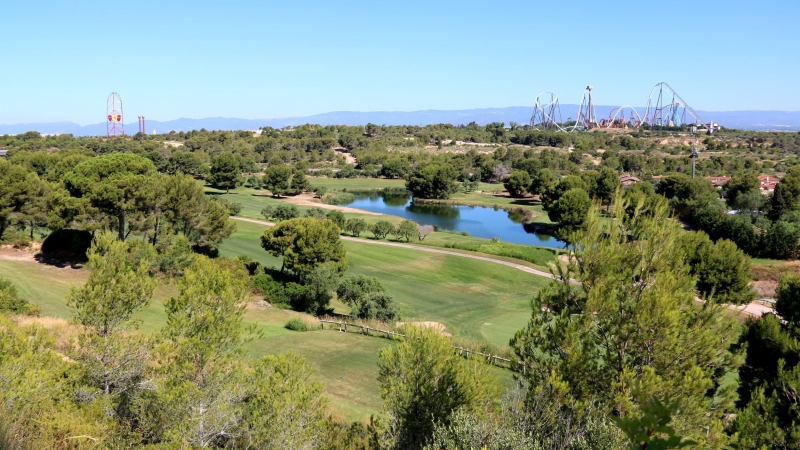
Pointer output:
x,y
747,120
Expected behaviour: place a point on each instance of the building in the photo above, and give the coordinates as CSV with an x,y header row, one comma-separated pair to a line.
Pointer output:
x,y
718,182
627,179
767,183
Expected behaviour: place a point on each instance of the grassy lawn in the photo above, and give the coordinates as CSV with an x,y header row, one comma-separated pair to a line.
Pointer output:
x,y
355,183
473,298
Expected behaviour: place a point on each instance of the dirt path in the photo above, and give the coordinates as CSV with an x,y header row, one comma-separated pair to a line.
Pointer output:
x,y
753,309
306,200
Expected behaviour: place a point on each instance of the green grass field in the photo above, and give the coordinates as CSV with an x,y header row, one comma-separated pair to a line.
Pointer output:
x,y
355,183
475,299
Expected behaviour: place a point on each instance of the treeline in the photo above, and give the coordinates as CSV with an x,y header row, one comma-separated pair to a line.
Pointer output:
x,y
312,146
122,192
762,226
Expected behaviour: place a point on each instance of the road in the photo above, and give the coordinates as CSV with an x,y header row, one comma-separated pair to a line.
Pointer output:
x,y
753,309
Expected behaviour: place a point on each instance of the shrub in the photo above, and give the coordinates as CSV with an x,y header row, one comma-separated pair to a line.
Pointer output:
x,y
495,239
234,208
280,212
340,198
10,301
465,233
296,325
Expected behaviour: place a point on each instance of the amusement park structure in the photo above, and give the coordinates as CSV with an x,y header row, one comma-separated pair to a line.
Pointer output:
x,y
665,108
114,126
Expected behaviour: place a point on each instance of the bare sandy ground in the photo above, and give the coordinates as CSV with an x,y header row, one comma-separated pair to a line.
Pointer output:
x,y
307,199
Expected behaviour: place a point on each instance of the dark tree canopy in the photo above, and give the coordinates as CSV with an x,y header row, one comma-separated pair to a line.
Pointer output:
x,y
118,184
433,180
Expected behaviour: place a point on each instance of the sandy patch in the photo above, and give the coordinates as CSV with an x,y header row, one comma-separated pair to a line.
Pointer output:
x,y
350,159
7,253
434,325
307,199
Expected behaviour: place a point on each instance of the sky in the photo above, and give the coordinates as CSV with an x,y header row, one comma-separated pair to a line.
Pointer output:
x,y
261,59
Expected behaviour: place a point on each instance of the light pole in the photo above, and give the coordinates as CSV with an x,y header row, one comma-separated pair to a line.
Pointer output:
x,y
694,147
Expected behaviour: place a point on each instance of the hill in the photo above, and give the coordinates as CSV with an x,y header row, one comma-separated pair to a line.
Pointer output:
x,y
747,120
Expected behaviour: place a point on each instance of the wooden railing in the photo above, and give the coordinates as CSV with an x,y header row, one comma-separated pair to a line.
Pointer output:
x,y
495,360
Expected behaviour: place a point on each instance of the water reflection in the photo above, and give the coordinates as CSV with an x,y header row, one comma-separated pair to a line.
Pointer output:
x,y
485,222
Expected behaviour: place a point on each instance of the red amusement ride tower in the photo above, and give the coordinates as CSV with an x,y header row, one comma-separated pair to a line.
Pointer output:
x,y
114,126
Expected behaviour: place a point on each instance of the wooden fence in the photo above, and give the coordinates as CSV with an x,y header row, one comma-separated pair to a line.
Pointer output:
x,y
495,360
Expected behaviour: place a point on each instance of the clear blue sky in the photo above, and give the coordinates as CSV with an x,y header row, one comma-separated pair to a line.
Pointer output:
x,y
258,59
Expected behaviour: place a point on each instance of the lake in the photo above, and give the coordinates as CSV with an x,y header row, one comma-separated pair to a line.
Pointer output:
x,y
478,221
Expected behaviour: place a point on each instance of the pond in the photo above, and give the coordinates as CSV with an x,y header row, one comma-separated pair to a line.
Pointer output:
x,y
478,221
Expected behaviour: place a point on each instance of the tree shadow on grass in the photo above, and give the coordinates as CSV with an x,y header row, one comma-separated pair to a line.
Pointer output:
x,y
62,261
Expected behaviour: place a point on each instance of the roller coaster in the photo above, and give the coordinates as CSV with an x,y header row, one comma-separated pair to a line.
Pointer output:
x,y
665,108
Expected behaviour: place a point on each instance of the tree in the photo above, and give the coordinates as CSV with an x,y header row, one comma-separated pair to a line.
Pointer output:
x,y
10,301
117,184
116,288
183,162
205,223
382,228
281,212
226,171
570,210
423,381
632,327
286,408
770,375
277,179
253,181
319,285
33,208
197,398
749,202
367,298
781,240
300,183
722,269
395,168
14,185
783,200
355,226
542,181
433,180
607,184
337,217
407,229
739,184
517,183
306,243
424,231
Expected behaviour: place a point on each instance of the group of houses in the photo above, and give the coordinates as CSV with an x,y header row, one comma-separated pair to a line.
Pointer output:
x,y
767,182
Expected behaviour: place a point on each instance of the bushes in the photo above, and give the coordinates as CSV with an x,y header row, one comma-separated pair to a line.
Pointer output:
x,y
296,325
340,198
280,212
234,208
11,302
303,323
